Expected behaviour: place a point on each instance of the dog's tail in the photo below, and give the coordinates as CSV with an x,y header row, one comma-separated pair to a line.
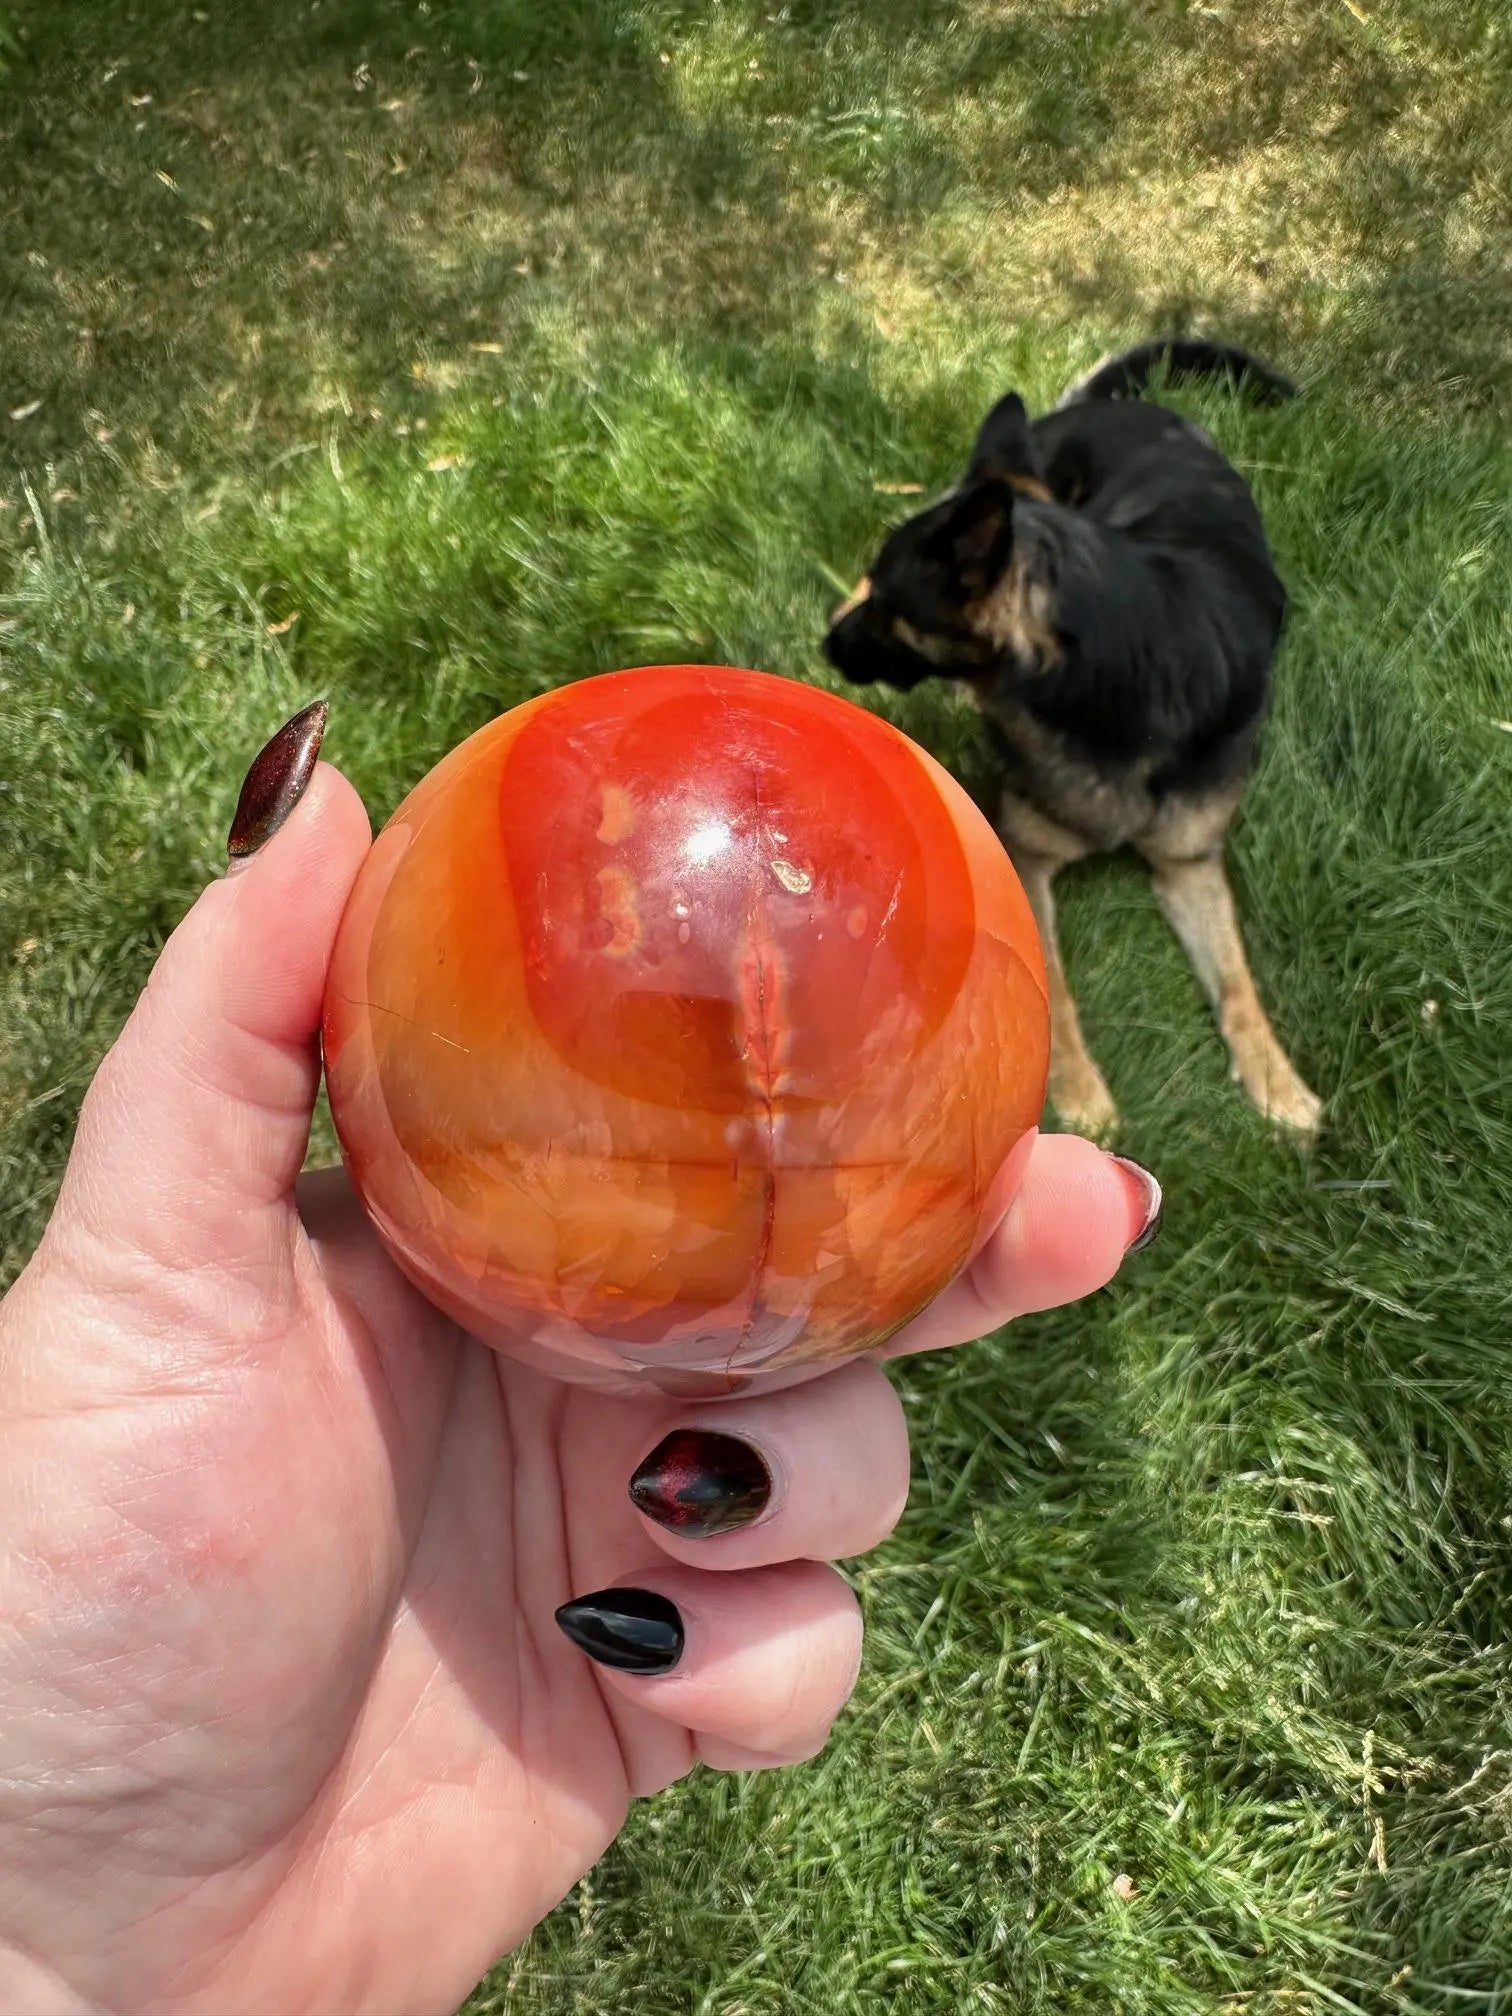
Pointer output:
x,y
1127,375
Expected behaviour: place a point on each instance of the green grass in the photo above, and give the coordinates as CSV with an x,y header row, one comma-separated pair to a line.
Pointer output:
x,y
496,344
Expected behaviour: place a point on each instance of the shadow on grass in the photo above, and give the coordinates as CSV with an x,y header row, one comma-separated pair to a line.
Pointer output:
x,y
220,227
272,215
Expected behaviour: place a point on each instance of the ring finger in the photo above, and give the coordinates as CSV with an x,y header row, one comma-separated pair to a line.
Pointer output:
x,y
756,1666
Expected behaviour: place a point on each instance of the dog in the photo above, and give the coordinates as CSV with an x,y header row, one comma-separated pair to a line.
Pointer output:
x,y
1100,584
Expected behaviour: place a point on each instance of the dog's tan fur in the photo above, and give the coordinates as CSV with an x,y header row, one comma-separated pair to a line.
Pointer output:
x,y
1100,584
1018,616
1184,844
1183,840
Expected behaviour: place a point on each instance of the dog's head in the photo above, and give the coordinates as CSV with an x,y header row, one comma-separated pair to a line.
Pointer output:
x,y
948,594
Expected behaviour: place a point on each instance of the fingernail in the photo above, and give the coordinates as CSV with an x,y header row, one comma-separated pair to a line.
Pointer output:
x,y
276,782
1150,1200
632,1630
697,1484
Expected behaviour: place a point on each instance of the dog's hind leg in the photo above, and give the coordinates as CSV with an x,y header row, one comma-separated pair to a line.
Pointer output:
x,y
1077,1088
1199,905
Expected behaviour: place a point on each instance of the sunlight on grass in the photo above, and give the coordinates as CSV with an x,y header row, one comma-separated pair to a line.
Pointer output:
x,y
469,348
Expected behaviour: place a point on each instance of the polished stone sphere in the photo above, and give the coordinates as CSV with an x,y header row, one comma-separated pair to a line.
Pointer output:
x,y
681,1028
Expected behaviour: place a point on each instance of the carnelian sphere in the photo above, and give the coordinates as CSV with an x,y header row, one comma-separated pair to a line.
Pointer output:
x,y
681,1027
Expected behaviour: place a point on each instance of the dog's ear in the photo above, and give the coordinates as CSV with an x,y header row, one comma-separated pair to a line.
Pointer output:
x,y
976,538
1005,446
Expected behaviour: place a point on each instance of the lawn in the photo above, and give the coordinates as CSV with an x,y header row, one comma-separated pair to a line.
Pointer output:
x,y
425,353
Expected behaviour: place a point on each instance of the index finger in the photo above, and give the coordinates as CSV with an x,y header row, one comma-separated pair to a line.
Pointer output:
x,y
1076,1214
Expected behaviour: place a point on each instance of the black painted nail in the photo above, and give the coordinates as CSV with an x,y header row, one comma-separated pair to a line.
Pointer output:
x,y
632,1630
276,782
697,1483
1151,1203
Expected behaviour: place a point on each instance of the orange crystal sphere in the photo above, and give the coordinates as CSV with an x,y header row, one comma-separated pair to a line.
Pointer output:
x,y
681,1028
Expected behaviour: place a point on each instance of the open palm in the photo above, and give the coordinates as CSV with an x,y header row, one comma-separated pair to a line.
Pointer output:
x,y
285,1718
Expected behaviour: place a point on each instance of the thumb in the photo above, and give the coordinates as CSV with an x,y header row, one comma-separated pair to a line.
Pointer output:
x,y
194,1130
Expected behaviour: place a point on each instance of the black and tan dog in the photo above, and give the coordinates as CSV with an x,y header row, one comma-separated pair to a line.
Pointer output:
x,y
1100,582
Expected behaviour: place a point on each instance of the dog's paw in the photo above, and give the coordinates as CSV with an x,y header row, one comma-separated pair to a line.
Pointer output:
x,y
1083,1102
1298,1110
1285,1101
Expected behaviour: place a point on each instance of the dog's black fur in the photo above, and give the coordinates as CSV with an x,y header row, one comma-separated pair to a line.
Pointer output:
x,y
1162,607
1101,581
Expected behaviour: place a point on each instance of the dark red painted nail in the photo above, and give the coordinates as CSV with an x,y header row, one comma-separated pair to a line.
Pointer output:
x,y
1151,1203
276,782
697,1483
632,1630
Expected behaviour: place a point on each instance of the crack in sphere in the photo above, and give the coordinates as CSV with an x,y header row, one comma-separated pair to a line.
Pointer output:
x,y
680,1027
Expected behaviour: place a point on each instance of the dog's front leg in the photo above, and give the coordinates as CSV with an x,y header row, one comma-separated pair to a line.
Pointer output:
x,y
1077,1088
1199,905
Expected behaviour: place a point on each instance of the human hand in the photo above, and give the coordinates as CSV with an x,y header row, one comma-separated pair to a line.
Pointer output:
x,y
287,1721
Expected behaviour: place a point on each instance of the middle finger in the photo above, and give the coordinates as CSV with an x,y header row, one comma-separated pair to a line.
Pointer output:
x,y
817,1472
